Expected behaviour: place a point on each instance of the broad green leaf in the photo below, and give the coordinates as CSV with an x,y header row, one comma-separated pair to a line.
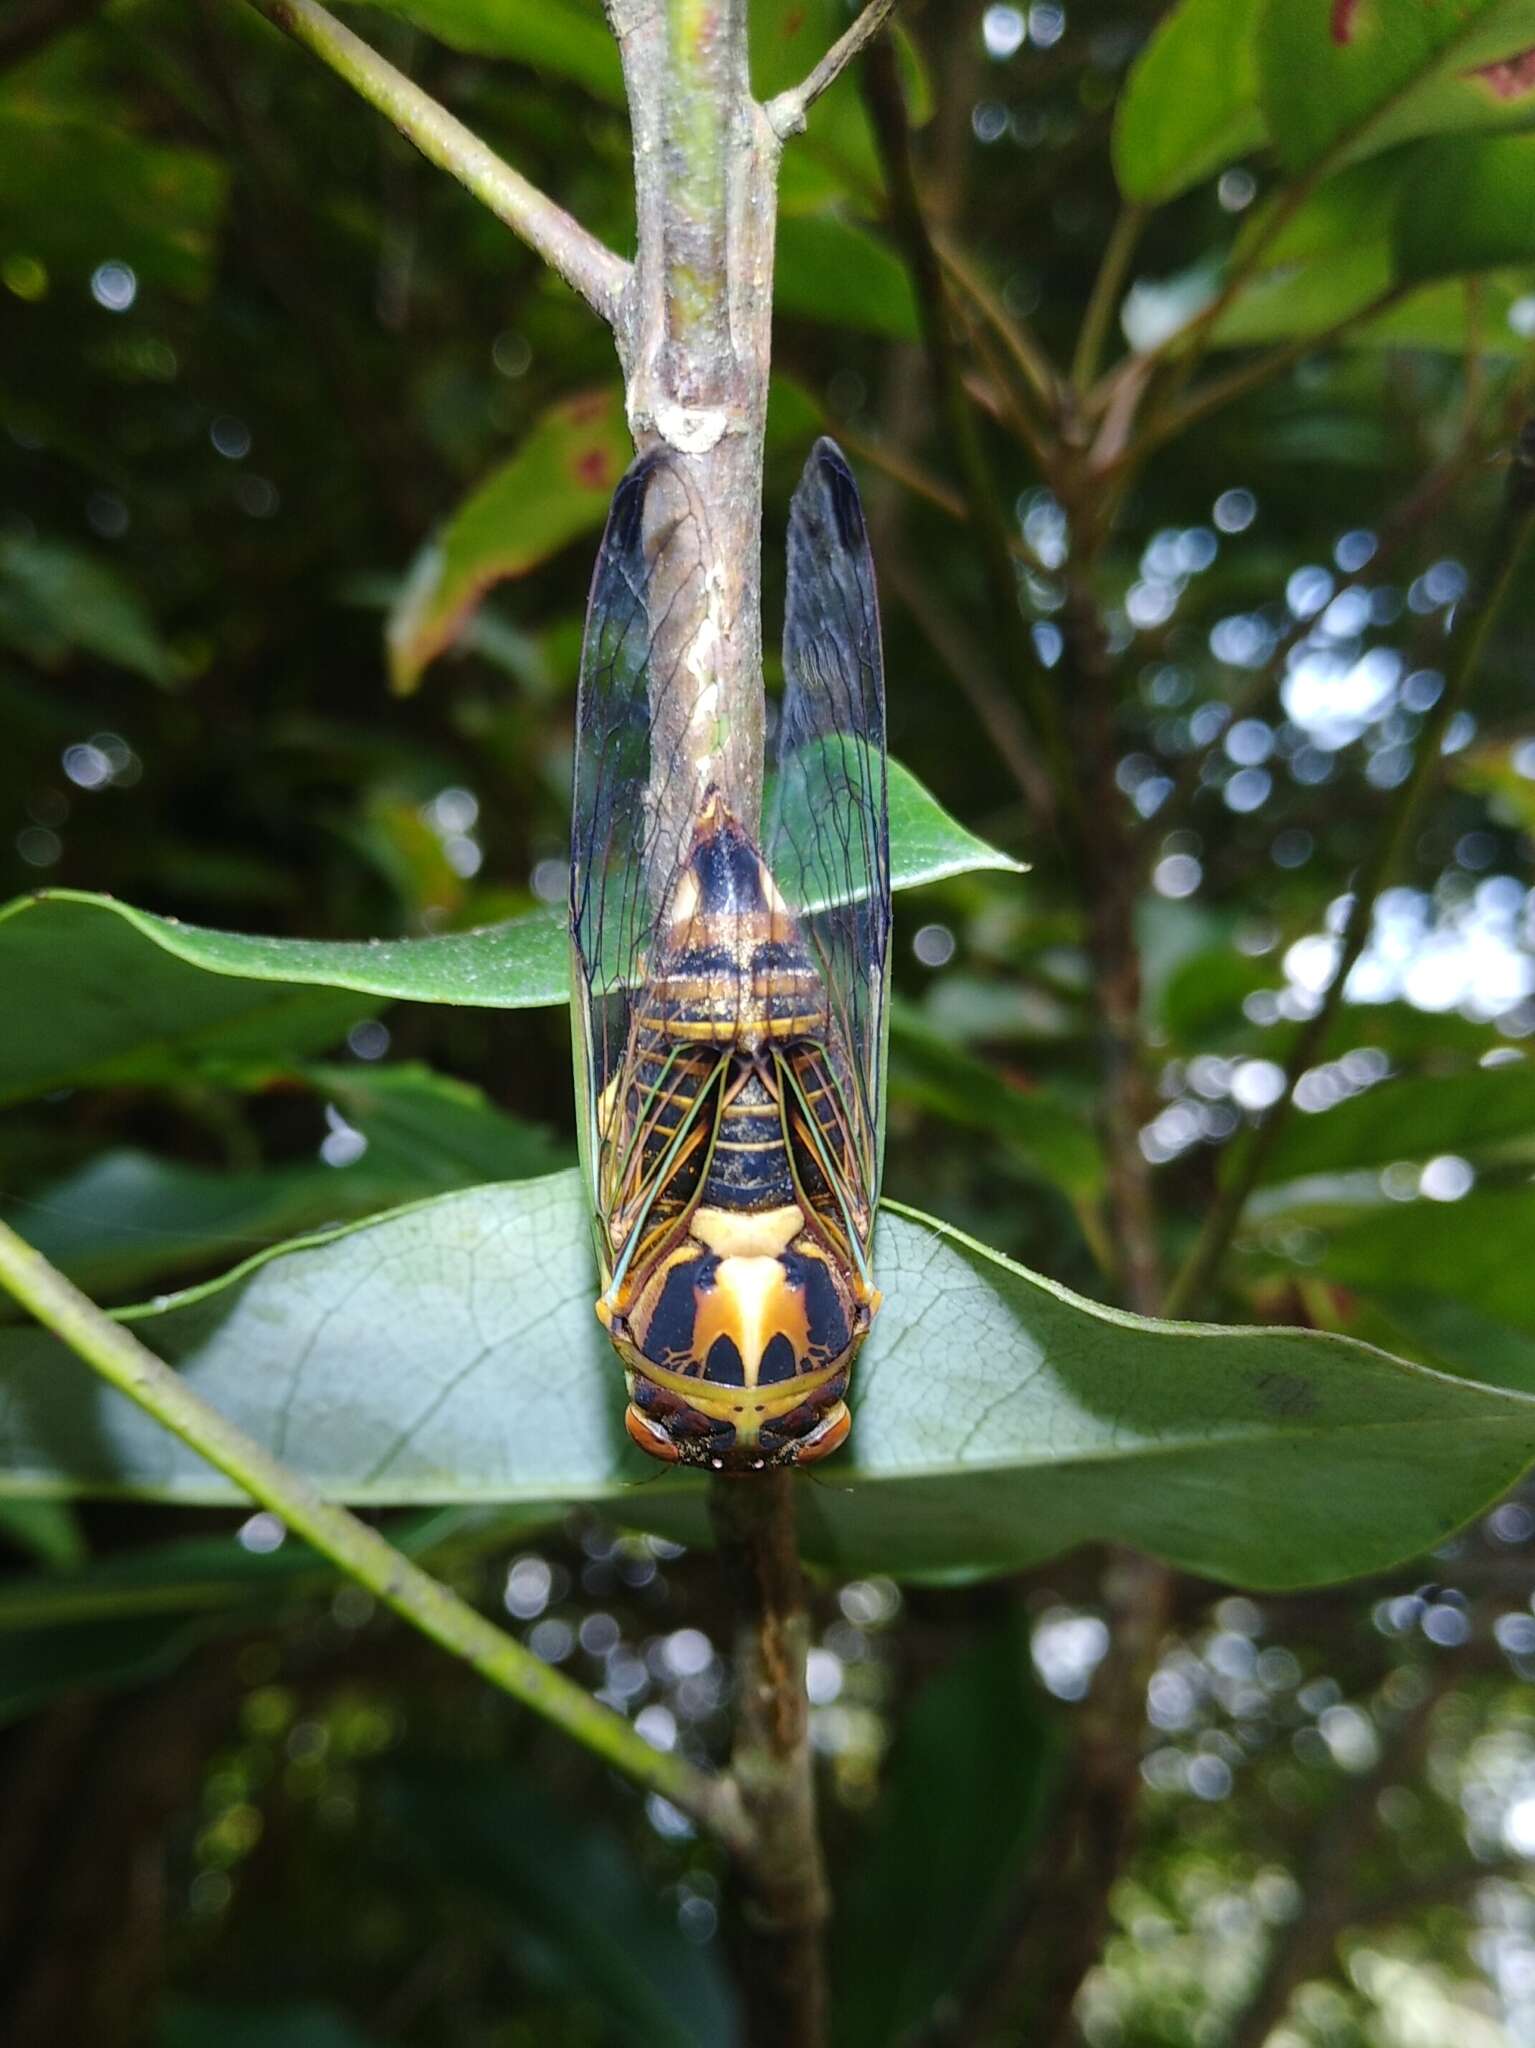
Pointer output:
x,y
1341,78
963,1797
152,206
1311,297
1501,772
39,1665
561,38
122,1621
1190,103
115,994
54,598
1469,205
128,1218
48,1529
504,1845
556,487
449,1352
1409,1119
926,1068
200,2023
1449,1277
201,1574
118,994
831,270
1471,1251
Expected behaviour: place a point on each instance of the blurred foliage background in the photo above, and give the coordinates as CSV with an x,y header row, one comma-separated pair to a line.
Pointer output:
x,y
253,354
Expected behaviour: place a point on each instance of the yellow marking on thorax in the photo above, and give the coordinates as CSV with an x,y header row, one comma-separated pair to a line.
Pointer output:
x,y
730,1234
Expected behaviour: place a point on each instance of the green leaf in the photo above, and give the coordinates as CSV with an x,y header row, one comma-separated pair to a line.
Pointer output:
x,y
1501,772
930,1070
1190,103
1409,1119
153,206
128,1218
556,487
54,597
561,38
197,2023
1310,297
102,1005
449,1353
48,1529
831,270
963,1801
41,1664
125,1620
1435,1277
1467,206
210,1574
1340,78
592,1918
118,994
1453,1253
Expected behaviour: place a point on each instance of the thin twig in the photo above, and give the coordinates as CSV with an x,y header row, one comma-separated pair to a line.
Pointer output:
x,y
772,1766
1014,332
1105,296
887,107
786,110
1476,620
355,1548
1329,1877
586,264
967,662
32,24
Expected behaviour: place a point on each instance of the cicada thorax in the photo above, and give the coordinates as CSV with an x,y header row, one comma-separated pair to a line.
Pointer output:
x,y
738,1290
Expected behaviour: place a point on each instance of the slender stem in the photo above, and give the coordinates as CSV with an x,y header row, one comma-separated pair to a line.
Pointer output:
x,y
968,664
696,346
781,1949
1473,627
355,1548
786,111
1015,334
32,24
887,107
1330,1872
1101,305
585,263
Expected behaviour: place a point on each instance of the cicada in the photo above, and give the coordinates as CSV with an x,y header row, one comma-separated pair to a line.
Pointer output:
x,y
730,983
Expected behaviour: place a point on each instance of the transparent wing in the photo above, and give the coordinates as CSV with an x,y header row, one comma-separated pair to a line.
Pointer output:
x,y
647,585
828,844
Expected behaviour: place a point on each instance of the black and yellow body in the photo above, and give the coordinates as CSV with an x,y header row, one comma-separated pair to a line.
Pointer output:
x,y
729,982
737,1298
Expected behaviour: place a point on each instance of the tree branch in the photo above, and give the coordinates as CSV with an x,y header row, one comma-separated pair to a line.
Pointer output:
x,y
786,111
1329,1877
586,264
358,1550
1473,626
771,1761
696,345
887,108
32,24
1104,300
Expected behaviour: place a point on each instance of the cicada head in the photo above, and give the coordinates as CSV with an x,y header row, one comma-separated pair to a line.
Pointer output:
x,y
738,1345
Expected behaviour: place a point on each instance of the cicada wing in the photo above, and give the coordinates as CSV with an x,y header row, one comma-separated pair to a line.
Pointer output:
x,y
828,843
648,577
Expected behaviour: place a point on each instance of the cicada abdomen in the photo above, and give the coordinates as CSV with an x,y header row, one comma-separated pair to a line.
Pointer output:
x,y
730,998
